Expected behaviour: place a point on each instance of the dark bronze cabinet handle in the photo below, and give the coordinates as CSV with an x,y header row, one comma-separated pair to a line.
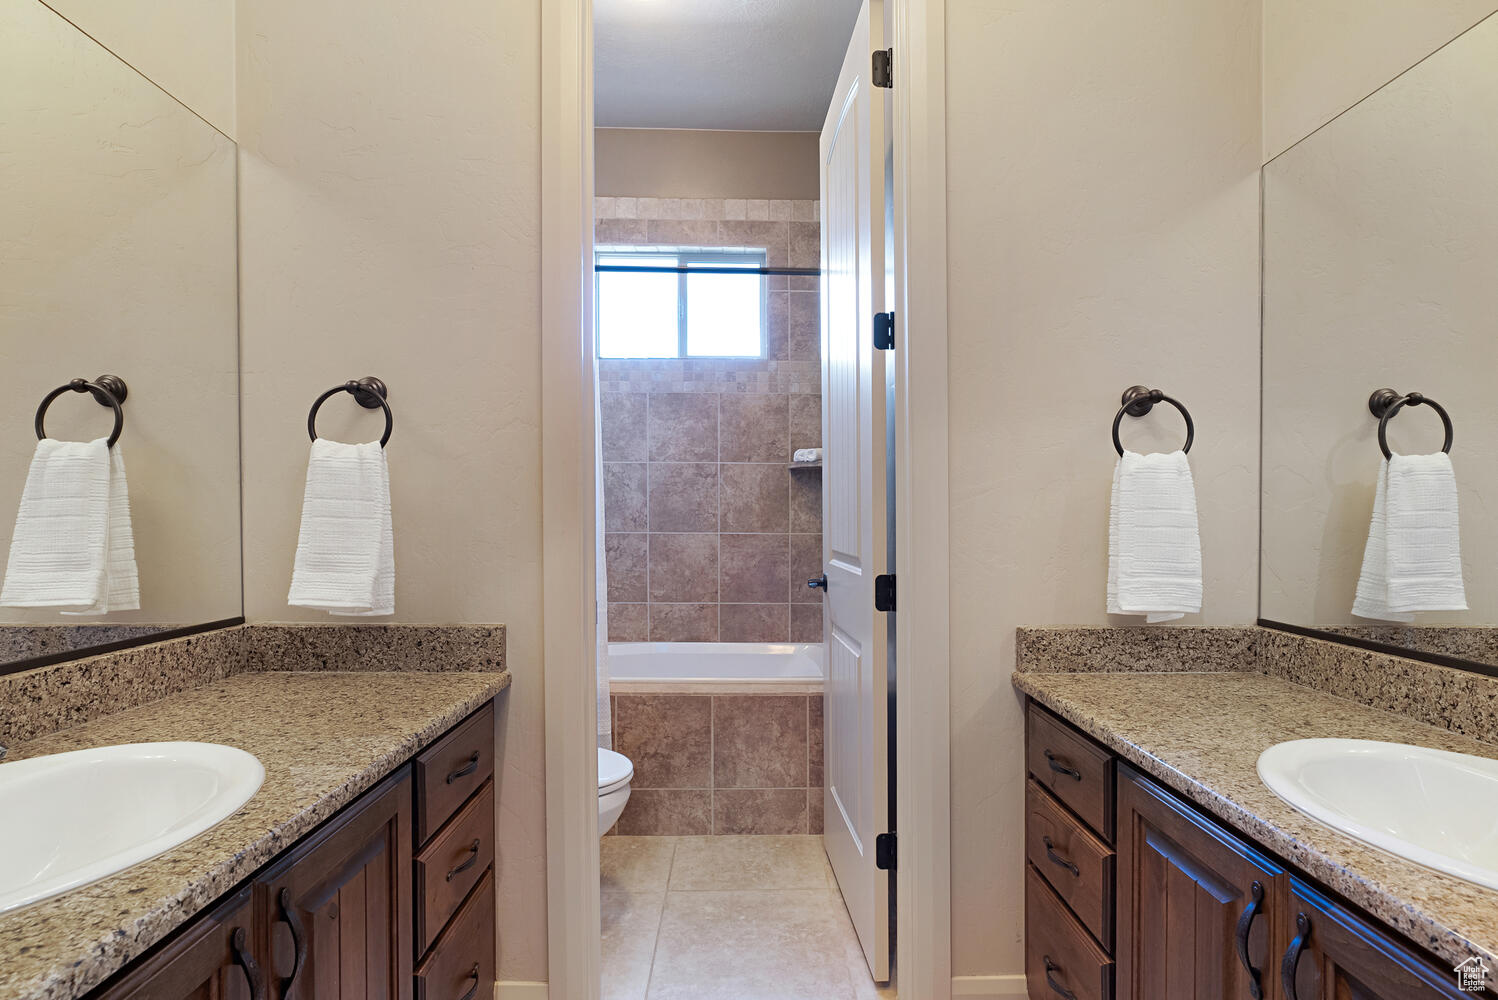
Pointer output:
x,y
1292,955
1245,927
298,941
1056,987
472,860
1058,860
466,769
472,990
249,965
1060,766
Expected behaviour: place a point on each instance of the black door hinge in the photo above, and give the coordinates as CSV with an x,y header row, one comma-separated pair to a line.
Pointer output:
x,y
884,68
884,592
886,852
884,331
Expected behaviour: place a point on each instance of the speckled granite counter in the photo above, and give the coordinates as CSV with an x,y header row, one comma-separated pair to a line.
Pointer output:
x,y
323,737
1201,734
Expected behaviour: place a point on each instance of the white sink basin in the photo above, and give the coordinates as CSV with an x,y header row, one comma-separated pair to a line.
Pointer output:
x,y
1433,807
74,818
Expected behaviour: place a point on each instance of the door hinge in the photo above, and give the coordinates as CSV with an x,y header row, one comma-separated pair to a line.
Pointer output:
x,y
884,592
884,68
884,331
886,852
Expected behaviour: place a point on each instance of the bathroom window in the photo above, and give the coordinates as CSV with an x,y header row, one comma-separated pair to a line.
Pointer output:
x,y
700,308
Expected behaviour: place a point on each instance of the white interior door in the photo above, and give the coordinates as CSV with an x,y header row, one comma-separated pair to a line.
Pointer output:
x,y
856,800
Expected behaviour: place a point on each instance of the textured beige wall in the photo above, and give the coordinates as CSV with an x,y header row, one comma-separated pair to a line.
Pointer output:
x,y
390,226
1103,230
1380,234
117,254
185,46
1323,56
693,163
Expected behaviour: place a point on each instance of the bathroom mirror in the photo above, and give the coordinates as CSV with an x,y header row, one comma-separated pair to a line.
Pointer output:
x,y
118,256
1381,271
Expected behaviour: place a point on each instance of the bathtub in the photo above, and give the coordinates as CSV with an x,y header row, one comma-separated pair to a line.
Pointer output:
x,y
706,667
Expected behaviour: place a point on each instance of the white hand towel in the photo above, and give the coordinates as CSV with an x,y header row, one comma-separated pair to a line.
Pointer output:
x,y
73,548
1372,600
345,556
1413,559
1154,543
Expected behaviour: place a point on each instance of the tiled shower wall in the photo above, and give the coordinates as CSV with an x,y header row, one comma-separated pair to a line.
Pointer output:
x,y
709,536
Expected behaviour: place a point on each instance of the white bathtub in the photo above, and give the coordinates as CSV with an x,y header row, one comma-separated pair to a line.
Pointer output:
x,y
641,667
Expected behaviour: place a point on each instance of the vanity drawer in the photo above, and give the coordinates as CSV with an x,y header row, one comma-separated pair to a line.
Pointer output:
x,y
1072,768
452,769
448,867
461,966
1059,955
1078,866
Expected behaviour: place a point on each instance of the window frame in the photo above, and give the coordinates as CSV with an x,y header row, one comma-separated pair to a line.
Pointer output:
x,y
754,260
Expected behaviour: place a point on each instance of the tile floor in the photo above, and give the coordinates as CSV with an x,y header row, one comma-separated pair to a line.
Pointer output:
x,y
727,918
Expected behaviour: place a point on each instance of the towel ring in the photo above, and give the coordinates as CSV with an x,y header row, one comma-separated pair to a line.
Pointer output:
x,y
1137,401
368,392
1384,403
107,390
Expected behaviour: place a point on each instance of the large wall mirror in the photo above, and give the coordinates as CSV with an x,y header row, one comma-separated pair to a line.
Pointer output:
x,y
117,256
1381,272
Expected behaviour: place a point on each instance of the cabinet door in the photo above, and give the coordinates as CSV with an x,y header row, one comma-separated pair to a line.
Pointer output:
x,y
210,960
1197,907
336,912
1337,955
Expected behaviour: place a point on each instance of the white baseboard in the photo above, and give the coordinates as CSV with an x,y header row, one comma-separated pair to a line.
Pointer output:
x,y
519,991
989,986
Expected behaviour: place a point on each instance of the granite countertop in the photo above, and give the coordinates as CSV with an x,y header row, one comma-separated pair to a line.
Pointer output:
x,y
323,738
1201,734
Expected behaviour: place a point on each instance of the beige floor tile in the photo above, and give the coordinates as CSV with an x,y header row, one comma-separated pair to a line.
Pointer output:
x,y
778,945
630,923
635,863
757,863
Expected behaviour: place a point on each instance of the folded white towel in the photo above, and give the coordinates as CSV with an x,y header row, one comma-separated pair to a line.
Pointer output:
x,y
73,548
1154,543
345,555
807,455
1413,559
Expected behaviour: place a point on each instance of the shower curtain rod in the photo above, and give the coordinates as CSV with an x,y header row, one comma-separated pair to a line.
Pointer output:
x,y
800,272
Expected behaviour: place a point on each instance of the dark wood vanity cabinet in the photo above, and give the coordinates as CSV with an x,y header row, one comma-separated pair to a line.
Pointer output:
x,y
1132,893
390,899
337,907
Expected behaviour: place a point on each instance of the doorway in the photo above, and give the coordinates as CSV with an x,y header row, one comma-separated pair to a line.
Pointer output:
x,y
923,865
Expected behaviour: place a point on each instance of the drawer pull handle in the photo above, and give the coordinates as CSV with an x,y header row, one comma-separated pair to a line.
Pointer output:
x,y
1061,862
466,769
472,860
249,965
1245,927
1292,955
472,990
1056,987
298,940
1060,766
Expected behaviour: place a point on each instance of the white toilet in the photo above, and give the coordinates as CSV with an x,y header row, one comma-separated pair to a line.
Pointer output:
x,y
614,772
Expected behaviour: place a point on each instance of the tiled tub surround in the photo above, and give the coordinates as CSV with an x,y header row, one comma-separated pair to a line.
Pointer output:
x,y
36,702
709,537
323,737
1196,715
721,763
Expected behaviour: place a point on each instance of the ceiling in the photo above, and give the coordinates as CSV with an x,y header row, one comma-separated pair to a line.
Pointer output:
x,y
755,65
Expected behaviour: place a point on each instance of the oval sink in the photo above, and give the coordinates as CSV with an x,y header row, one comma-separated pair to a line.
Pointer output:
x,y
74,818
1433,807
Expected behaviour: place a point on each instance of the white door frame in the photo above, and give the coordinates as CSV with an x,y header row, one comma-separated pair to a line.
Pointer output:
x,y
923,719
